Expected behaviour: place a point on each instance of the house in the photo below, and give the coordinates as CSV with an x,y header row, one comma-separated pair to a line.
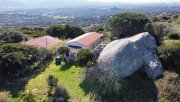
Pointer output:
x,y
43,42
89,40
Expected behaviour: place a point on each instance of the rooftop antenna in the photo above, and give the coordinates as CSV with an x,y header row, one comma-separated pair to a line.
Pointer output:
x,y
46,42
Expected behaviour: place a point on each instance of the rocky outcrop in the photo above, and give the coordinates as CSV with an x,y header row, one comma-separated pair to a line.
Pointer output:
x,y
121,57
126,56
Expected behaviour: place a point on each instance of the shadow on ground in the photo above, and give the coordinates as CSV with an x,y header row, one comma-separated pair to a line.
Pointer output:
x,y
16,85
67,66
136,89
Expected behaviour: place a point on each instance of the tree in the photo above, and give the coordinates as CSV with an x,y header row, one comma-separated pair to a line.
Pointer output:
x,y
56,31
73,32
16,59
64,31
85,57
52,83
96,28
44,56
12,37
38,33
63,50
127,24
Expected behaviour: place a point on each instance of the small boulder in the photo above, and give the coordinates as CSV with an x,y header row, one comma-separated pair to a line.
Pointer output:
x,y
152,66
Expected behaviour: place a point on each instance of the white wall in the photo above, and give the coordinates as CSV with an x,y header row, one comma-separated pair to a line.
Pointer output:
x,y
96,43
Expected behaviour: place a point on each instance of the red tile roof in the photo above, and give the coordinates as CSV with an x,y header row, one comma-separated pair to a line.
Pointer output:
x,y
45,42
87,39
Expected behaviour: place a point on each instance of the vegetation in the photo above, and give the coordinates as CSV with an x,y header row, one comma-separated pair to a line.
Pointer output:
x,y
106,86
127,24
75,83
70,84
15,59
63,50
12,37
85,57
4,96
26,97
36,32
62,92
52,83
96,28
174,36
64,31
169,53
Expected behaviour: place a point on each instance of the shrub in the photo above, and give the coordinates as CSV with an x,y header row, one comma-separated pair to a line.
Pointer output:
x,y
169,53
84,57
52,83
16,59
127,24
12,37
61,92
174,36
26,97
169,87
104,84
63,50
44,56
107,87
64,31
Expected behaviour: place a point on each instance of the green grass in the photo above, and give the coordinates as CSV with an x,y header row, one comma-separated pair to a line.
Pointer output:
x,y
70,76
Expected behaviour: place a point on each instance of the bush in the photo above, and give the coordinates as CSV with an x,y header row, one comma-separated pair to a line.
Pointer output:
x,y
85,57
52,83
169,87
105,85
169,53
26,97
127,24
12,37
63,50
16,59
174,36
64,31
61,92
44,56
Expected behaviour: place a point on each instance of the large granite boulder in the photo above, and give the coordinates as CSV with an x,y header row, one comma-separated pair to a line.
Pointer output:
x,y
144,42
126,56
121,57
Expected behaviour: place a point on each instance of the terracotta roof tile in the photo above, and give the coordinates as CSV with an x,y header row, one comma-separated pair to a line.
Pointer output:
x,y
87,39
45,42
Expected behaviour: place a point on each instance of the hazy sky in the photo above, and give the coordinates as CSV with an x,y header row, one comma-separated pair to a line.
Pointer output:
x,y
126,1
138,1
69,3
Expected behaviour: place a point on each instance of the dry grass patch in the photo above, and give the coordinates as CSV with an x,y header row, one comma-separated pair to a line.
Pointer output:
x,y
4,96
